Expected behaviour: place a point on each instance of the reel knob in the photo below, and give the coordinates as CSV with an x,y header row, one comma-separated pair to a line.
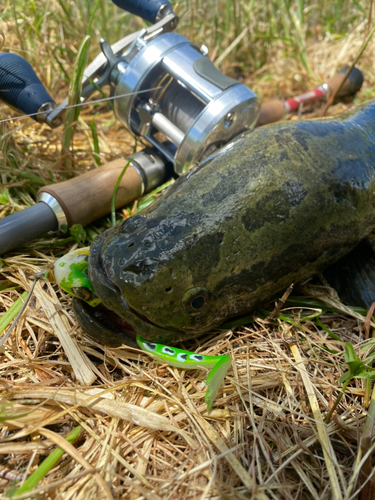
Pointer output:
x,y
149,10
353,84
22,89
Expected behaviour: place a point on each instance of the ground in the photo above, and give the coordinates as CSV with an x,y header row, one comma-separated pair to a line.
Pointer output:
x,y
145,432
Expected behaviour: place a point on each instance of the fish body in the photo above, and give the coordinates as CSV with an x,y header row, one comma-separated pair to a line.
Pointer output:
x,y
272,208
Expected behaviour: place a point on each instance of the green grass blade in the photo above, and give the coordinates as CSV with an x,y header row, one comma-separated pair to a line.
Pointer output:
x,y
6,412
113,200
314,303
92,17
95,141
74,96
215,379
326,329
233,323
7,286
12,312
150,197
46,465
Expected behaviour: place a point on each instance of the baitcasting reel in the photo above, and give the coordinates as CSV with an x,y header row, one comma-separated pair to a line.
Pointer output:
x,y
165,89
194,106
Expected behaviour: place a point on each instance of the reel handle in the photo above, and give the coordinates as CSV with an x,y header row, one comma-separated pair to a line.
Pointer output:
x,y
146,9
21,88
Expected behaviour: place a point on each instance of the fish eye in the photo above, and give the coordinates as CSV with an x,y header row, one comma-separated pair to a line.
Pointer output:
x,y
83,293
198,302
195,299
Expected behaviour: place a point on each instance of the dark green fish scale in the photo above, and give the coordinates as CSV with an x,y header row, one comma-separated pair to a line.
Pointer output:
x,y
270,209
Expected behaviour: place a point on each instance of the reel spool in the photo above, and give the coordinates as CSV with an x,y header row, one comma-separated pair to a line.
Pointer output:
x,y
195,106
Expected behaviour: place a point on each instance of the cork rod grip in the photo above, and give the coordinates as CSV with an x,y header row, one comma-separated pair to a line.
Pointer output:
x,y
271,112
87,197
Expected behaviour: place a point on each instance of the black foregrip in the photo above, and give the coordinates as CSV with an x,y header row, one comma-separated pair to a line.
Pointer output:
x,y
19,85
24,226
146,9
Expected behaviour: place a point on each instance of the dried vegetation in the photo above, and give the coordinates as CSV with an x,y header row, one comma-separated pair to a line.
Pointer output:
x,y
145,429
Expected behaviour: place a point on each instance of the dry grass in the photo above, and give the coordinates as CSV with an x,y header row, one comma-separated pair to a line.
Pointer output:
x,y
145,430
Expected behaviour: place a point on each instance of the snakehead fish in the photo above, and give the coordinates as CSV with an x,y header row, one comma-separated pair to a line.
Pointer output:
x,y
270,209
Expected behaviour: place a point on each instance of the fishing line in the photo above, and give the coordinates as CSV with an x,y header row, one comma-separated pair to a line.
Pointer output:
x,y
83,104
180,106
176,102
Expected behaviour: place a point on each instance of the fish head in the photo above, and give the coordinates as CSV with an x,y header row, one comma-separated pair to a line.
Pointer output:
x,y
152,269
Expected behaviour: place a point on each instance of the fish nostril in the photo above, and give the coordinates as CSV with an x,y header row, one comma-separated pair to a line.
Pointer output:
x,y
132,224
140,268
133,268
169,289
131,244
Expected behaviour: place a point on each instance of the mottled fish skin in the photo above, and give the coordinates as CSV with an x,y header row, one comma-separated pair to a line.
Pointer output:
x,y
271,209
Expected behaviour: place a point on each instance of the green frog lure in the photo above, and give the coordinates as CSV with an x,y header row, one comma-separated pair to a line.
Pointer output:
x,y
71,274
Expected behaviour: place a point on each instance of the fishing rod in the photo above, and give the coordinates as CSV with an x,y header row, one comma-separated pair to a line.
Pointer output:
x,y
275,110
161,85
195,108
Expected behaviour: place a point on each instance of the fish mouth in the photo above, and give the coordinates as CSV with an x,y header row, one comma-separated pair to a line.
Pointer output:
x,y
103,325
114,322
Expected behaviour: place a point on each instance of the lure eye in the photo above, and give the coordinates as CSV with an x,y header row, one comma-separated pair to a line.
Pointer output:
x,y
83,293
196,299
